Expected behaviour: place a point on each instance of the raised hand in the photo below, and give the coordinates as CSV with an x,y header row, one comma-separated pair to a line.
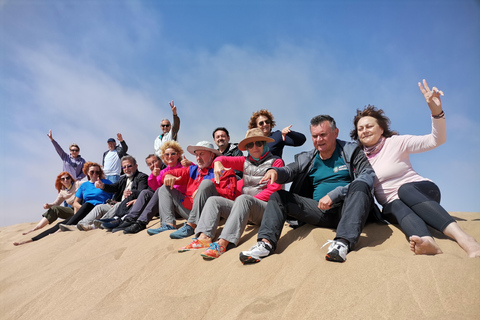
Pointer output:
x,y
174,108
99,184
185,162
218,169
49,134
285,131
119,137
271,175
432,97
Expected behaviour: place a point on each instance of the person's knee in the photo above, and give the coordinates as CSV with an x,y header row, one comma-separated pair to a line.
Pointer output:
x,y
206,184
359,186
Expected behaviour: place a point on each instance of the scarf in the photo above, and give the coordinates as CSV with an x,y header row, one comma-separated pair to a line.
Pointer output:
x,y
373,150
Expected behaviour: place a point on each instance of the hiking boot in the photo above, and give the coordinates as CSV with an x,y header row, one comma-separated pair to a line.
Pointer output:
x,y
161,229
135,227
184,232
195,245
124,225
256,253
214,251
337,251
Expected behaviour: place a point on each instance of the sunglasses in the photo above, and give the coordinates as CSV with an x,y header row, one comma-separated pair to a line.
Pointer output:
x,y
165,125
257,144
126,167
94,172
261,123
170,154
74,150
65,178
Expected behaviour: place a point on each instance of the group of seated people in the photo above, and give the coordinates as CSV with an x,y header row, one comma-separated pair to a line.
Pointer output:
x,y
332,186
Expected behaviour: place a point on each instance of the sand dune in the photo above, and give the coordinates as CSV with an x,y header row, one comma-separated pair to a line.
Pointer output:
x,y
99,275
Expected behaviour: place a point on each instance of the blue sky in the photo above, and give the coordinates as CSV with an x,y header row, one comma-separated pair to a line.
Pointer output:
x,y
90,69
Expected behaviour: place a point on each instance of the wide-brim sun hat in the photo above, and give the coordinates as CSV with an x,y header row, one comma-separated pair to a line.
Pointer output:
x,y
253,135
205,146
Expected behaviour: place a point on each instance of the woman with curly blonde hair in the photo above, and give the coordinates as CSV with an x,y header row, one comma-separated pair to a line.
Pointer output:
x,y
263,119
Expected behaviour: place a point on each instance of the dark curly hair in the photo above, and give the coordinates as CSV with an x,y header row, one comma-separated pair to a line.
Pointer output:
x,y
263,112
379,115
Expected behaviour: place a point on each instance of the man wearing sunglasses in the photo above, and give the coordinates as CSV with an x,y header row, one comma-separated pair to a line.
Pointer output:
x,y
168,132
127,188
73,162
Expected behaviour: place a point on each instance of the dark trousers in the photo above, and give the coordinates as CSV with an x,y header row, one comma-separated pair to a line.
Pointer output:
x,y
417,206
145,208
348,217
81,213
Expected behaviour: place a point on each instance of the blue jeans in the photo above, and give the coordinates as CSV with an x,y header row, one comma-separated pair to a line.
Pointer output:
x,y
113,178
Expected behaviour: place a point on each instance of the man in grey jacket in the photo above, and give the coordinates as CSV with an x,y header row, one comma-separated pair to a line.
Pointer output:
x,y
331,187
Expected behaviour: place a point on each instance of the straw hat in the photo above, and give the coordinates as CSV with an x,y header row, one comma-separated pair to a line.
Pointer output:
x,y
203,145
253,135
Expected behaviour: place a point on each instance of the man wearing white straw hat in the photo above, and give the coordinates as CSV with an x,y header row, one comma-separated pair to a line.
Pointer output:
x,y
200,183
248,207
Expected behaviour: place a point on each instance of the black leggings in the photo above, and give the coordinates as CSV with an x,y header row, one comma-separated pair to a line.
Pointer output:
x,y
417,206
81,213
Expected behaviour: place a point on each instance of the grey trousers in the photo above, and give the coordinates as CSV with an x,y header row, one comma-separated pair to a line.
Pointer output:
x,y
104,211
170,203
245,208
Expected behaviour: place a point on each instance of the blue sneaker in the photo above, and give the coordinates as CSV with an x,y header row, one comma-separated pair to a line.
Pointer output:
x,y
161,229
184,232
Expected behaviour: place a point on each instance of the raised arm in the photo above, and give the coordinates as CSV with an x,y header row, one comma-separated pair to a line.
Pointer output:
x,y
176,121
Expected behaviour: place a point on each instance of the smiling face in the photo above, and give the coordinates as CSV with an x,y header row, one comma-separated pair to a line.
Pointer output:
x,y
165,125
204,158
221,139
94,173
129,168
255,149
111,146
324,139
66,181
74,151
368,130
152,163
171,157
265,124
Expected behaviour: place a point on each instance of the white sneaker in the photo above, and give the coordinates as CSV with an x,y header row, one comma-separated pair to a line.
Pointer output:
x,y
337,251
256,253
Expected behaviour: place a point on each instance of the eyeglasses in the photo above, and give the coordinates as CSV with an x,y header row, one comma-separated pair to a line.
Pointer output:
x,y
94,172
261,123
165,125
257,143
74,150
126,167
170,154
65,178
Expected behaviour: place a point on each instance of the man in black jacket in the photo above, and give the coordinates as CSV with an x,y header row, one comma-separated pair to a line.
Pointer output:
x,y
127,188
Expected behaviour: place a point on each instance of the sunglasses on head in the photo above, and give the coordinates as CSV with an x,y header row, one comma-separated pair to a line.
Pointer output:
x,y
74,150
257,143
261,123
165,125
126,167
65,178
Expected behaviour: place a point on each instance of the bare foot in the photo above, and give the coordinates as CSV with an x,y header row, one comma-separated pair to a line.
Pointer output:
x,y
22,242
471,247
424,245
